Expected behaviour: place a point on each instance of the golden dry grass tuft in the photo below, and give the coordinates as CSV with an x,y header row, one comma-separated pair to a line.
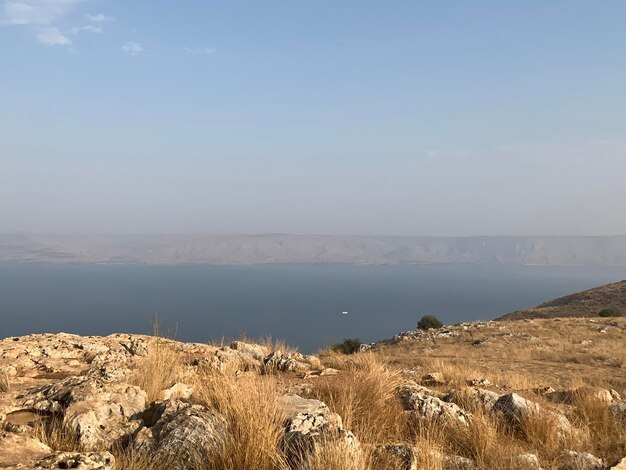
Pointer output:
x,y
364,396
160,369
5,385
57,435
249,405
336,455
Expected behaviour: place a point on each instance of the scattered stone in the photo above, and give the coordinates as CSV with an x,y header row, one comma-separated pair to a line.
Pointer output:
x,y
480,397
526,461
518,409
397,456
309,423
433,378
426,406
618,409
570,397
478,382
571,460
179,391
77,460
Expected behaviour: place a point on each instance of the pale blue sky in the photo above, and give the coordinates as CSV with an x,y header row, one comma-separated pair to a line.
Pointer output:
x,y
368,117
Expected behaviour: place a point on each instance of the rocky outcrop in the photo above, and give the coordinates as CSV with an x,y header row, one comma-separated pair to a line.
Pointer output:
x,y
571,460
422,402
19,450
518,410
179,434
473,398
309,423
100,413
77,460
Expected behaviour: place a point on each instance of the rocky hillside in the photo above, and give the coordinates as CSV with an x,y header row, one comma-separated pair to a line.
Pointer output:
x,y
588,303
138,402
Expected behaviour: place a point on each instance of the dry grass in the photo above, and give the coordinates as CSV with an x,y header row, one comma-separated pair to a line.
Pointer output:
x,y
160,369
364,396
336,455
57,435
249,404
128,460
5,385
606,435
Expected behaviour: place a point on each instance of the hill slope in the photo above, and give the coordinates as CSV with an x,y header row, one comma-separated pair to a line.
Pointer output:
x,y
587,303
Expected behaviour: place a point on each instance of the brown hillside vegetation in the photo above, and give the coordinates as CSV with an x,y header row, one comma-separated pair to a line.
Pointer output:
x,y
588,303
530,394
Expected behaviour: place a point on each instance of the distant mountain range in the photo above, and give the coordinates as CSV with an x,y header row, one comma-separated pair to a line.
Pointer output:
x,y
279,248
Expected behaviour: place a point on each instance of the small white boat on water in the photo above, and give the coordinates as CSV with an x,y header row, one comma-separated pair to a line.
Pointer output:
x,y
344,313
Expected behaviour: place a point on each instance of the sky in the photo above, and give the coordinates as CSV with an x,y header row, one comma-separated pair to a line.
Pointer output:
x,y
327,117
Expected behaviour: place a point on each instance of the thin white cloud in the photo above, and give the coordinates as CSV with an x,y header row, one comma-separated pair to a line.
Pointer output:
x,y
132,48
42,17
200,50
35,12
99,18
89,28
52,37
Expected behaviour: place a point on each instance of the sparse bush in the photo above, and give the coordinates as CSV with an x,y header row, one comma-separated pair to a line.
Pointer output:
x,y
428,322
348,346
609,312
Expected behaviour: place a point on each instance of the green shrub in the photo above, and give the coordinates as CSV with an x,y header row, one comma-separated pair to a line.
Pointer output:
x,y
609,312
428,322
348,346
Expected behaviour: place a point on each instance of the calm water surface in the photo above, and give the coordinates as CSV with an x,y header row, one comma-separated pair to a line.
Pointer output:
x,y
301,304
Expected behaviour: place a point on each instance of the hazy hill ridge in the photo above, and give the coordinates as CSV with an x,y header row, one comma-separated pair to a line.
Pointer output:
x,y
278,248
587,303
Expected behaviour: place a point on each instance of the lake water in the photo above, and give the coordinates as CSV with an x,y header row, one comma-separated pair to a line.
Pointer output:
x,y
301,304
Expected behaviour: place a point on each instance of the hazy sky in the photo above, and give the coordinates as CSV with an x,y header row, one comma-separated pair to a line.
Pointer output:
x,y
364,117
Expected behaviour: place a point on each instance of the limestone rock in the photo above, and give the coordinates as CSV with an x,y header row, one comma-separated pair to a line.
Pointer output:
x,y
77,460
479,397
179,391
618,409
310,422
526,461
396,456
180,434
426,406
101,413
278,361
256,351
516,409
456,462
570,397
433,378
571,460
19,449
